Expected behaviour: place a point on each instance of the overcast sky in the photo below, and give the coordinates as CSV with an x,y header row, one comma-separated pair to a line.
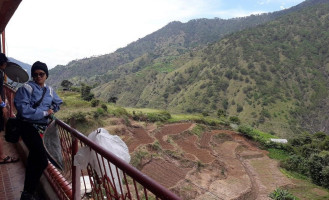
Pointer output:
x,y
59,31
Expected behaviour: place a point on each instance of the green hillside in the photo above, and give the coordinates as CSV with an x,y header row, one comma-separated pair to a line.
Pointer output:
x,y
273,76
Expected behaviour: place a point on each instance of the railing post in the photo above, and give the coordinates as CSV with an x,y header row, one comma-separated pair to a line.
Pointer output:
x,y
74,168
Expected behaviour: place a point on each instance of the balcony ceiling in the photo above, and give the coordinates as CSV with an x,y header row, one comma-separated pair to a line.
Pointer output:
x,y
7,10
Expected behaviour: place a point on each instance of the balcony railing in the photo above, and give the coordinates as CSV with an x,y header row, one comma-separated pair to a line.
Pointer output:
x,y
109,177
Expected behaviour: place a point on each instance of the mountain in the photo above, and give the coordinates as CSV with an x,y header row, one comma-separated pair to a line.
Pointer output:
x,y
273,76
172,40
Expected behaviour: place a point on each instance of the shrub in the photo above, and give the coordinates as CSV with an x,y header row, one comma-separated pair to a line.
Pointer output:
x,y
94,102
75,89
66,84
221,113
301,140
281,194
99,112
225,104
234,119
78,117
278,154
104,107
205,114
119,112
296,163
112,100
85,93
246,130
198,130
152,117
139,116
239,108
307,150
165,114
199,166
315,166
137,158
325,177
320,136
156,146
162,116
206,121
325,145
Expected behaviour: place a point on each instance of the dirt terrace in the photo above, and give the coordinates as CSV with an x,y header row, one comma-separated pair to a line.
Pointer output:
x,y
220,164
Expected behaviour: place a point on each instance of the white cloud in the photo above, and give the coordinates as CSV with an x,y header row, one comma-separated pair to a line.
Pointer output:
x,y
264,2
60,31
280,1
227,14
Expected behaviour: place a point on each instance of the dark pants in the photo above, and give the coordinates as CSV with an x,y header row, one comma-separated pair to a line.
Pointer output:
x,y
37,159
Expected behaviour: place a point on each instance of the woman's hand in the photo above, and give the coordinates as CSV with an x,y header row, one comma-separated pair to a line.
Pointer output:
x,y
50,112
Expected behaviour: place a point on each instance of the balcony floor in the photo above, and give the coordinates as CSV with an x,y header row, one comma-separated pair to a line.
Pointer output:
x,y
11,174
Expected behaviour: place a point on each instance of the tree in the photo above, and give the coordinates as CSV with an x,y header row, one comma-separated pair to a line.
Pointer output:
x,y
234,119
66,84
221,112
315,168
239,108
112,100
85,93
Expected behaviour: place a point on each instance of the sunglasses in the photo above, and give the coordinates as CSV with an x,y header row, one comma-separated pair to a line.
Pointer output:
x,y
38,74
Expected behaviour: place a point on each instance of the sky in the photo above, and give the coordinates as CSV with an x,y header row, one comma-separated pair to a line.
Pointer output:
x,y
59,31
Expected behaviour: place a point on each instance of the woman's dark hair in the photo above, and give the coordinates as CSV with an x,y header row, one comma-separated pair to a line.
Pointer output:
x,y
3,59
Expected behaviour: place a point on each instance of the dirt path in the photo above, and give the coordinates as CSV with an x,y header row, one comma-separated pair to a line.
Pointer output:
x,y
266,176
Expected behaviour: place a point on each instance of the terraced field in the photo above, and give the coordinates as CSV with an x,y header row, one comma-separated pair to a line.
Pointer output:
x,y
217,164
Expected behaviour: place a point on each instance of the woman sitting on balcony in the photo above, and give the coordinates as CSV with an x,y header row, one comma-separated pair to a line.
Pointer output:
x,y
4,159
35,102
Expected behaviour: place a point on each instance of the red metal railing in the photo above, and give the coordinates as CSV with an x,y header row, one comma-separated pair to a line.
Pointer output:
x,y
105,177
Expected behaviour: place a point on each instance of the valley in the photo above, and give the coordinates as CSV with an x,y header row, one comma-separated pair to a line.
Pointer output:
x,y
217,164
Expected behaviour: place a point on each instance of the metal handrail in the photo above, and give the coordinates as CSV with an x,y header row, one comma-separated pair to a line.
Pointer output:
x,y
103,183
144,180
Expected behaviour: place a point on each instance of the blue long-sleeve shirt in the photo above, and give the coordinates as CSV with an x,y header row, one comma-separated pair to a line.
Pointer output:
x,y
28,94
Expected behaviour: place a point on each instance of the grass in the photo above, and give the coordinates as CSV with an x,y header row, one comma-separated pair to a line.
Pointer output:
x,y
255,134
143,110
264,135
183,117
198,130
277,154
304,189
179,117
293,175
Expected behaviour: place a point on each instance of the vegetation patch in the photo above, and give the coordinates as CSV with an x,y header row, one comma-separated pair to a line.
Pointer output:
x,y
278,154
198,130
282,194
259,136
